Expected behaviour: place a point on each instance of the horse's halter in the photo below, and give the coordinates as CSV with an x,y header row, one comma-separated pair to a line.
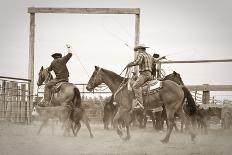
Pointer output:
x,y
92,83
44,78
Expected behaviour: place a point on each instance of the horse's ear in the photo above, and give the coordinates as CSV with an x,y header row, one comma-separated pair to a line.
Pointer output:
x,y
41,68
174,72
96,67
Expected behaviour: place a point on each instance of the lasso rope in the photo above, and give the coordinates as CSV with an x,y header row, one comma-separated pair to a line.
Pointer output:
x,y
74,52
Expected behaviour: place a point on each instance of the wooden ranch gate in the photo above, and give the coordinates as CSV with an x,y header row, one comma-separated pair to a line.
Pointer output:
x,y
34,10
15,100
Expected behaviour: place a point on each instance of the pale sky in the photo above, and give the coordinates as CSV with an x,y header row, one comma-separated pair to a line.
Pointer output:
x,y
181,29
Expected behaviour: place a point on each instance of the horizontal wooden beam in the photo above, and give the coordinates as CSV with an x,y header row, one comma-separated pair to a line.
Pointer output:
x,y
13,78
197,61
209,87
85,10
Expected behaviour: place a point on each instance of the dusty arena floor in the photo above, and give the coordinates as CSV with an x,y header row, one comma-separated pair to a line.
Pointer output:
x,y
17,139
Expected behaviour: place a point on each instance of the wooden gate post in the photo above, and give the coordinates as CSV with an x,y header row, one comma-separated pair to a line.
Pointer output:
x,y
206,95
137,33
31,61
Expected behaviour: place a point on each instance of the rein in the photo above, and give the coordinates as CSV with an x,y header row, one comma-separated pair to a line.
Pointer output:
x,y
94,79
48,78
123,84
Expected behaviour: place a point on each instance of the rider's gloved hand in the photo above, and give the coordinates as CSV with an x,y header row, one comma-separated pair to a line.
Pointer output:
x,y
68,46
129,65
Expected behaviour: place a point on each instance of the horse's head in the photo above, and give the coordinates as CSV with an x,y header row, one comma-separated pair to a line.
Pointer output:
x,y
95,80
175,77
44,76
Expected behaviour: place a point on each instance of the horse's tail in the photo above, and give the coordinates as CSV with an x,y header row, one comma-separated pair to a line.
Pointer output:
x,y
191,105
77,98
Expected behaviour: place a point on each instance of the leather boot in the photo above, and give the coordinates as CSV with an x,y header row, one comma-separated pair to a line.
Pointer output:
x,y
139,97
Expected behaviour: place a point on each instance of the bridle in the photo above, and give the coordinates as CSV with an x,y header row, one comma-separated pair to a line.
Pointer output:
x,y
94,78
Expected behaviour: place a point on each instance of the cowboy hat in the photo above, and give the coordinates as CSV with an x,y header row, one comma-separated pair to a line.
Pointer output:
x,y
140,46
55,55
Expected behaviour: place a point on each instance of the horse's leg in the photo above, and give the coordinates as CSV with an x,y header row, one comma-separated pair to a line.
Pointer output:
x,y
85,120
53,127
175,126
67,127
191,126
128,133
116,123
127,118
73,127
77,127
182,123
159,121
170,118
42,125
145,121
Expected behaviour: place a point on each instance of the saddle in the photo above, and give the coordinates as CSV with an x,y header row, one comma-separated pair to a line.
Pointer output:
x,y
57,86
150,87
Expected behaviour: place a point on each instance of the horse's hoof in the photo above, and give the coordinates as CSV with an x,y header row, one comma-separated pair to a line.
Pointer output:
x,y
91,136
164,141
120,133
126,139
193,137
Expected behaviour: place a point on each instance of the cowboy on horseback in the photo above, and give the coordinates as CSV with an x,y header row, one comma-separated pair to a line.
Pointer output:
x,y
145,62
58,65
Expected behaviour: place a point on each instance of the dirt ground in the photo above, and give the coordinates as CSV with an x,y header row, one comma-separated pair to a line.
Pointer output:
x,y
18,139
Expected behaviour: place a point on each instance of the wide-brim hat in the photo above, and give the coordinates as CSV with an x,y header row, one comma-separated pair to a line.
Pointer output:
x,y
140,46
55,55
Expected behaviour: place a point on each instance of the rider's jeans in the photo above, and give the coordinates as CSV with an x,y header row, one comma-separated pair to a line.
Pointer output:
x,y
143,77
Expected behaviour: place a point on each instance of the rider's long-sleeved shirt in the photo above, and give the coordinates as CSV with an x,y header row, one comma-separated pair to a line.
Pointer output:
x,y
144,60
59,66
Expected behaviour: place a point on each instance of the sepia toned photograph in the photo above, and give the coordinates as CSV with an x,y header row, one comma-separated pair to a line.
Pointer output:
x,y
116,77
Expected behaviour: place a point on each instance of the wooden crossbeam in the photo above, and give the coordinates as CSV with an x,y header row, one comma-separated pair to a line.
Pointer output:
x,y
197,61
209,87
85,10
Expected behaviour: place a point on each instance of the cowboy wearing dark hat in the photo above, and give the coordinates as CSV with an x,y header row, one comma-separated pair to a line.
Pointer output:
x,y
145,61
60,69
154,66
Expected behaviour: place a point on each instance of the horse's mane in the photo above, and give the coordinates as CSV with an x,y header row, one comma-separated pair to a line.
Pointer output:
x,y
171,77
114,75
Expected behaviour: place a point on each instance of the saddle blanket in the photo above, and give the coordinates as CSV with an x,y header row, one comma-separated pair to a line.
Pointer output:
x,y
154,84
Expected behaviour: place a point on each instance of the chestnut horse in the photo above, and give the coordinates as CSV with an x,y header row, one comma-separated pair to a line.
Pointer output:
x,y
67,96
171,95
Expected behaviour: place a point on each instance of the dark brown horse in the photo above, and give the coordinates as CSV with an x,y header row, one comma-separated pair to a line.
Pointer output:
x,y
159,117
67,96
171,96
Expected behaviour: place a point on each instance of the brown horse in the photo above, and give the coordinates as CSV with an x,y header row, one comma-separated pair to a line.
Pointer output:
x,y
171,95
68,93
67,96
